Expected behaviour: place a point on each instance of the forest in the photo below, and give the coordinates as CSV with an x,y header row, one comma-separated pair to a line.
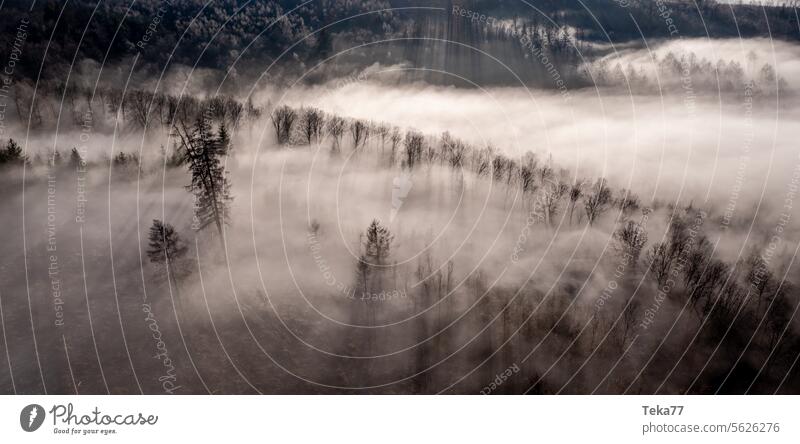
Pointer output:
x,y
392,197
482,261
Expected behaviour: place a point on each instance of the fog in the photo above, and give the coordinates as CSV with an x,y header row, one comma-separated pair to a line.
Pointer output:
x,y
478,280
654,144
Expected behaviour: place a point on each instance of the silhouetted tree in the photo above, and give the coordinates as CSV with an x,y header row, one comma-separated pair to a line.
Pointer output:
x,y
336,127
551,199
166,251
395,139
626,202
631,238
759,278
209,184
283,119
12,154
575,193
378,243
359,133
55,159
595,202
75,158
251,112
312,124
413,148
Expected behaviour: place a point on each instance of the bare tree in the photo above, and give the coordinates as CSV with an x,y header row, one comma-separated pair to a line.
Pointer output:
x,y
696,261
139,102
283,119
780,314
454,150
251,112
526,179
527,172
413,148
382,130
545,173
630,239
370,267
662,255
395,139
499,164
166,251
551,199
359,132
626,202
312,124
630,317
712,279
335,129
758,277
659,262
596,201
481,160
575,193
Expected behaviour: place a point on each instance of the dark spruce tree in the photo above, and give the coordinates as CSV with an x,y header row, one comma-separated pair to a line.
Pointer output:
x,y
12,154
210,184
166,251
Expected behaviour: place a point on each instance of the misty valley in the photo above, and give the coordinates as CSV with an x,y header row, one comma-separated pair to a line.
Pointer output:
x,y
540,201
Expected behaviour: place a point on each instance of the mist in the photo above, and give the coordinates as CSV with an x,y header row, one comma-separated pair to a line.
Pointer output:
x,y
478,277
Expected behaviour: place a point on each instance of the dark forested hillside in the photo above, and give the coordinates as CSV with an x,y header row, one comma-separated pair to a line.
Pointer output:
x,y
246,37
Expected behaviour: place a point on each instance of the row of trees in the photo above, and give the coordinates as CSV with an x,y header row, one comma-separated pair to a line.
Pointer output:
x,y
203,152
135,109
670,71
713,287
545,190
732,302
12,155
721,294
